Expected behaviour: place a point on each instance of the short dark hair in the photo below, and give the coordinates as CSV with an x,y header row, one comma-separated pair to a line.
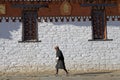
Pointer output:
x,y
56,47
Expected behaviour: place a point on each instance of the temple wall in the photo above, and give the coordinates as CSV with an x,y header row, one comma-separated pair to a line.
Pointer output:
x,y
71,37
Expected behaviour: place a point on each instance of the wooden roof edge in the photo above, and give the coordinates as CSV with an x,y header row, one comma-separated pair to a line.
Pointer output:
x,y
55,0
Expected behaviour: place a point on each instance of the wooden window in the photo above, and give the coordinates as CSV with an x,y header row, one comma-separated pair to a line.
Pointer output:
x,y
99,28
30,26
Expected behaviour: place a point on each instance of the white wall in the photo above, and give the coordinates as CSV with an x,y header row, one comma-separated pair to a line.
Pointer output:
x,y
72,37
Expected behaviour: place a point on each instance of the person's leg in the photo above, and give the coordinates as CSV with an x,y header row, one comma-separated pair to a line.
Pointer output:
x,y
56,70
66,70
65,67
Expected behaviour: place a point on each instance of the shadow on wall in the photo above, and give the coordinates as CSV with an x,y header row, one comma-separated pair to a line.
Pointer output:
x,y
75,23
87,23
6,29
113,23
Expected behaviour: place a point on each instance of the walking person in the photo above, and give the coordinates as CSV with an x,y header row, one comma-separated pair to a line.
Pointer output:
x,y
60,61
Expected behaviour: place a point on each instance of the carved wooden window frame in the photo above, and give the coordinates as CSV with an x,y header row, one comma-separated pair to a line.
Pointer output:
x,y
33,37
100,30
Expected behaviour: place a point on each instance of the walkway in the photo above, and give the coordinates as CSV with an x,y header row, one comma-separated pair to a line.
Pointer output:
x,y
78,76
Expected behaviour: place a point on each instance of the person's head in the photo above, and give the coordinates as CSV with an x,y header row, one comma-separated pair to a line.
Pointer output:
x,y
56,48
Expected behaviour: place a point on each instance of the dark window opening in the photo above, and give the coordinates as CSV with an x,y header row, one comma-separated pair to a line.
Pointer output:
x,y
30,25
98,23
99,26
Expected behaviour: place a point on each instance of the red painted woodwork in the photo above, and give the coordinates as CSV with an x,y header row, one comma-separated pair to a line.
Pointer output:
x,y
54,9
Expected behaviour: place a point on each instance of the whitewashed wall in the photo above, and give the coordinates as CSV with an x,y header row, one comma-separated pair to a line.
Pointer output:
x,y
72,37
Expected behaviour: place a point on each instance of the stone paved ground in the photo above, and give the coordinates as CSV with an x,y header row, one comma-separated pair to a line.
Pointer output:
x,y
77,76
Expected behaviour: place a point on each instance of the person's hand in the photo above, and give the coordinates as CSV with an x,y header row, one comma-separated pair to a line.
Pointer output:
x,y
57,59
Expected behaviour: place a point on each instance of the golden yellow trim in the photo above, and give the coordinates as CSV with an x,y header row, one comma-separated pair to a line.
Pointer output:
x,y
2,9
65,8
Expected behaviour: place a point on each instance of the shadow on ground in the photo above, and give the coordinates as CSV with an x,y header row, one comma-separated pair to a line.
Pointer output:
x,y
92,73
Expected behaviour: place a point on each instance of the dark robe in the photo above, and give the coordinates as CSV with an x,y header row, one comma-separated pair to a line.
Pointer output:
x,y
60,63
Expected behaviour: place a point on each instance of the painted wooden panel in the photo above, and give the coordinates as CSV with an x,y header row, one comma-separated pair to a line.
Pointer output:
x,y
54,9
2,9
